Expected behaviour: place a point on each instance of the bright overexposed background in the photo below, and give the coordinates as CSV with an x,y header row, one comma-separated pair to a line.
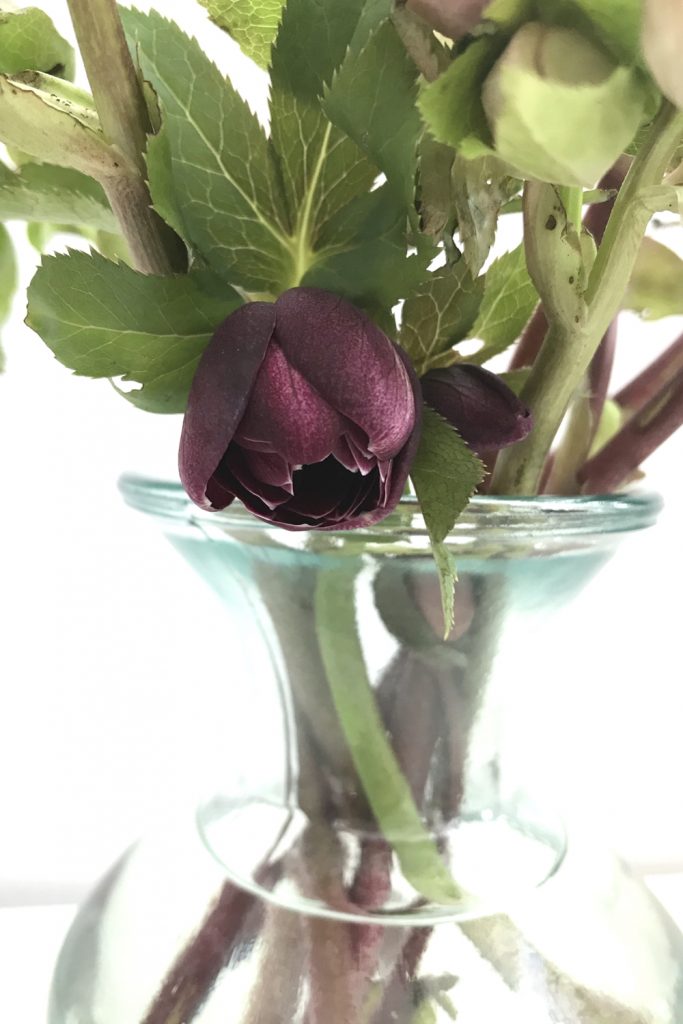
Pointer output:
x,y
112,708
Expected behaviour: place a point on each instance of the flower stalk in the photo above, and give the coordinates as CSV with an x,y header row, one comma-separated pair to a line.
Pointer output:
x,y
124,117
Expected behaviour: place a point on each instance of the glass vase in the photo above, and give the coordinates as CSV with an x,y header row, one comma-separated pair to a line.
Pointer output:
x,y
389,849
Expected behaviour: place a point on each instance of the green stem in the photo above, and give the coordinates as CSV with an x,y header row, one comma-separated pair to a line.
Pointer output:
x,y
123,113
566,354
572,199
384,784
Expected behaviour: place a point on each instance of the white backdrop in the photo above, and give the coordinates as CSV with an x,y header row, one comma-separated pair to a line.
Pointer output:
x,y
111,709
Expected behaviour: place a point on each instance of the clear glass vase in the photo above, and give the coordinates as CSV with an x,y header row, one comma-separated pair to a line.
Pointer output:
x,y
391,852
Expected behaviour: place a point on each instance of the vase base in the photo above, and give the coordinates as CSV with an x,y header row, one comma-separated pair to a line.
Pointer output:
x,y
591,946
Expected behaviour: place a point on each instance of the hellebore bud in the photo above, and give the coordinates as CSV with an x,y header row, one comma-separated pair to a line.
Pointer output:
x,y
559,108
663,45
454,18
481,407
305,411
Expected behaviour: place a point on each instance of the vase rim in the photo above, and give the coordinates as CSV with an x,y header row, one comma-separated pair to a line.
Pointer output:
x,y
537,515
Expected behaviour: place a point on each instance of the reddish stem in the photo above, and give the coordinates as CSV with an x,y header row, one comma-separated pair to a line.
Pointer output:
x,y
600,373
638,438
650,382
236,914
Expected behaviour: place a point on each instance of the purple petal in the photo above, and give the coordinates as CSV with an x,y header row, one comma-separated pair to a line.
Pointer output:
x,y
395,479
247,468
285,413
351,364
481,407
218,397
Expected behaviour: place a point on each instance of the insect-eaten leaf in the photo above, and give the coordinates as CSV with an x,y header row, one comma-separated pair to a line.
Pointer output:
x,y
49,129
29,40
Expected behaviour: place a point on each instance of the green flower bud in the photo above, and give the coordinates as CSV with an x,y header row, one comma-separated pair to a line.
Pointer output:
x,y
559,108
663,45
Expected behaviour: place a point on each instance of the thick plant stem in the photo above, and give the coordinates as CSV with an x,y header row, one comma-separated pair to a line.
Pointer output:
x,y
566,353
123,114
595,221
583,420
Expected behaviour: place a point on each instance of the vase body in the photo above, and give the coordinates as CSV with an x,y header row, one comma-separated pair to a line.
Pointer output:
x,y
390,849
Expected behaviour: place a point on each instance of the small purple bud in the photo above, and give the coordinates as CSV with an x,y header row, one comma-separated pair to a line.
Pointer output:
x,y
305,411
481,407
454,18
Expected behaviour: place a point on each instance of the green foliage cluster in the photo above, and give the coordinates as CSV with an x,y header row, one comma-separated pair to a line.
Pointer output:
x,y
387,164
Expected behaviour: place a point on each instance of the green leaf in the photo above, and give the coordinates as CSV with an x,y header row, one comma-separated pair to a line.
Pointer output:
x,y
54,195
322,169
8,279
162,186
41,124
104,319
656,286
311,44
509,300
372,98
439,314
445,473
451,106
383,782
223,170
252,23
364,254
29,41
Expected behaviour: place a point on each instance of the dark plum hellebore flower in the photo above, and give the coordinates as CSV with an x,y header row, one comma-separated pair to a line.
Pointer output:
x,y
481,407
305,411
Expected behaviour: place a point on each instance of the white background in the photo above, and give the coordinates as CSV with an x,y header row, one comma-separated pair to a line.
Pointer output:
x,y
112,708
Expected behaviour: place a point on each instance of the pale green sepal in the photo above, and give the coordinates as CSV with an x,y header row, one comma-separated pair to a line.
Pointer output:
x,y
560,133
